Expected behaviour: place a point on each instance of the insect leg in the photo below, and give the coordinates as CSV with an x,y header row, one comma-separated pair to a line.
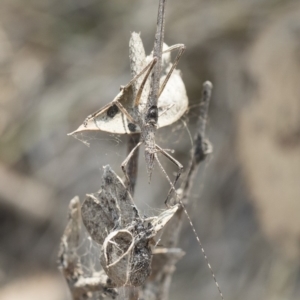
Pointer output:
x,y
118,98
148,68
175,162
139,93
125,162
116,101
181,49
104,108
149,65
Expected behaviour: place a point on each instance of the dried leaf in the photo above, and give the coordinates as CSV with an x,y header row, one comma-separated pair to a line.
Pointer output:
x,y
172,103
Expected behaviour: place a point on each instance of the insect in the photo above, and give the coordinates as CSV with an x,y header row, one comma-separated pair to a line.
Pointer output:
x,y
146,103
113,221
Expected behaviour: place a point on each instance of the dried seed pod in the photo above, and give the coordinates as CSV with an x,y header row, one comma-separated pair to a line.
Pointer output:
x,y
112,219
109,209
116,255
123,261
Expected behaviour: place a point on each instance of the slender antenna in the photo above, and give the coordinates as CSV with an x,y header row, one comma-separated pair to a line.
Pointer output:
x,y
202,249
157,52
201,149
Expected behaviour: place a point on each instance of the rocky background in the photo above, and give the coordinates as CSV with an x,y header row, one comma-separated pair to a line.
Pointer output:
x,y
62,60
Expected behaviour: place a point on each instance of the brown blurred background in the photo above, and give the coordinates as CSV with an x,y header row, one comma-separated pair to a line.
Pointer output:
x,y
62,60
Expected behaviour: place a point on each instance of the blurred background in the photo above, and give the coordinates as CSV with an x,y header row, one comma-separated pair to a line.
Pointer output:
x,y
62,60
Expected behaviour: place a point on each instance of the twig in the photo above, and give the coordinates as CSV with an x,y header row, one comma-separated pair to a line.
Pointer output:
x,y
157,52
133,293
201,149
132,171
132,167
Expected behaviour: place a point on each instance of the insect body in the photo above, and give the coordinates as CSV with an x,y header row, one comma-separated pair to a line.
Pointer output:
x,y
146,102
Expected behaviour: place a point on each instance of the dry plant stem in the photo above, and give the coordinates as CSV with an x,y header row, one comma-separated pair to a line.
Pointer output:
x,y
202,147
157,52
136,60
132,171
199,152
136,56
133,293
132,167
80,285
